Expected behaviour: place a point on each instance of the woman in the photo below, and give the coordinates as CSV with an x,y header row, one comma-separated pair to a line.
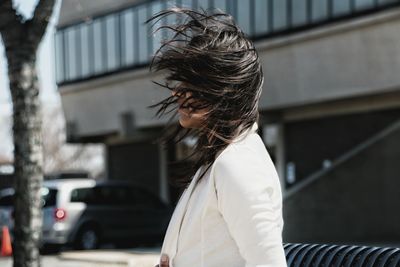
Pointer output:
x,y
230,213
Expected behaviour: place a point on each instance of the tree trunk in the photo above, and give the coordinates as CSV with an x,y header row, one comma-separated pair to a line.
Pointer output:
x,y
21,39
28,162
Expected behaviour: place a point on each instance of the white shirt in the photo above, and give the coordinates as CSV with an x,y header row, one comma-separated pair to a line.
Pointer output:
x,y
233,216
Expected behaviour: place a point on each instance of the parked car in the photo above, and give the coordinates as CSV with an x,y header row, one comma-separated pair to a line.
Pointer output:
x,y
84,213
6,209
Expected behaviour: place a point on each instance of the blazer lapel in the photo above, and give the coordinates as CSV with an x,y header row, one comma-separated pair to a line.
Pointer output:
x,y
171,238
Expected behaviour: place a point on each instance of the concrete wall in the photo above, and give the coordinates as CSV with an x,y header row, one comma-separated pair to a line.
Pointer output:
x,y
96,106
356,202
312,143
351,58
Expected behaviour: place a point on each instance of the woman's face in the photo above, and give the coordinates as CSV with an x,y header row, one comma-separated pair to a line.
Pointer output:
x,y
189,116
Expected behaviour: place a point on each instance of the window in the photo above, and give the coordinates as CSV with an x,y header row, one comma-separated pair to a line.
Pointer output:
x,y
221,4
384,2
59,51
85,50
6,201
127,38
49,197
81,195
112,42
243,17
279,11
203,4
156,37
98,58
261,12
341,8
71,64
319,10
299,12
363,4
143,35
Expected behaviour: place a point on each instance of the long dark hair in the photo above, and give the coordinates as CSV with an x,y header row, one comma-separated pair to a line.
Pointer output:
x,y
209,52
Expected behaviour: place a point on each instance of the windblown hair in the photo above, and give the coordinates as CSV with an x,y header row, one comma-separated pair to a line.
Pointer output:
x,y
209,52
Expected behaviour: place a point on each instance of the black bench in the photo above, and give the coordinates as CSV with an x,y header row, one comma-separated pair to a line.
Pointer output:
x,y
321,255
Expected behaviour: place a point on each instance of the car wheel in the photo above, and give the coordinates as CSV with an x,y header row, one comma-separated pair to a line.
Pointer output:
x,y
87,238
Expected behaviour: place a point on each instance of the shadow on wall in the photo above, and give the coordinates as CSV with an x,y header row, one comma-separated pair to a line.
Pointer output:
x,y
356,201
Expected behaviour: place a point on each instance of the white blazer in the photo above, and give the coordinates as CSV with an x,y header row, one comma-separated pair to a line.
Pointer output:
x,y
233,216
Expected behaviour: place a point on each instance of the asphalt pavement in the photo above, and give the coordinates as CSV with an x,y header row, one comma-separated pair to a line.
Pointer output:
x,y
55,261
138,257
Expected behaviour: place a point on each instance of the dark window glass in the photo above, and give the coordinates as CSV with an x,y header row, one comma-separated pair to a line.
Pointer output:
x,y
6,201
81,195
49,197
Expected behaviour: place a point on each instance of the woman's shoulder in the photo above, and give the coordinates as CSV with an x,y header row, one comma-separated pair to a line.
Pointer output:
x,y
248,156
247,166
250,148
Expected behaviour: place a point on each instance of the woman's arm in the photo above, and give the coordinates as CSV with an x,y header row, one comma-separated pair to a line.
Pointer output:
x,y
250,202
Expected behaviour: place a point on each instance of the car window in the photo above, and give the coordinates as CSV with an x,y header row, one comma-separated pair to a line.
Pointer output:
x,y
6,201
98,195
49,197
81,195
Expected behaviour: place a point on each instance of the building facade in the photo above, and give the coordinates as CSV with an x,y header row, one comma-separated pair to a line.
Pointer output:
x,y
329,109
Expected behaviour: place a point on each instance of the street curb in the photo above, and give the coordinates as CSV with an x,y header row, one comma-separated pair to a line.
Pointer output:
x,y
131,258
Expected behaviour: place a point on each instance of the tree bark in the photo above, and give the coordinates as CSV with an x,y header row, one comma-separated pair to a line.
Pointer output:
x,y
21,40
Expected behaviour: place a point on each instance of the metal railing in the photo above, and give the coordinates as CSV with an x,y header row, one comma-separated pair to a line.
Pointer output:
x,y
120,40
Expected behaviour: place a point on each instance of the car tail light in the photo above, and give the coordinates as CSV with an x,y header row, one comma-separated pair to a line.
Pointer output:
x,y
59,214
